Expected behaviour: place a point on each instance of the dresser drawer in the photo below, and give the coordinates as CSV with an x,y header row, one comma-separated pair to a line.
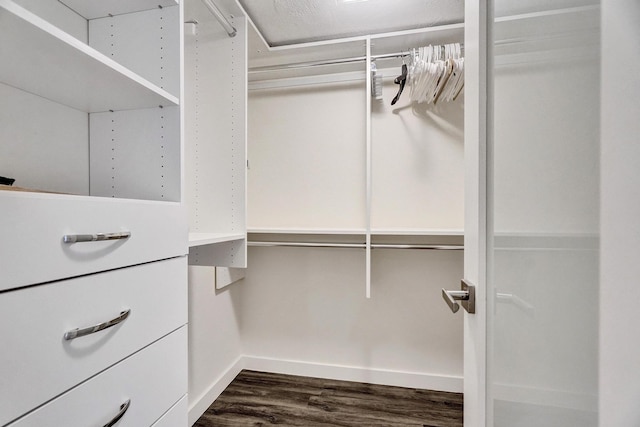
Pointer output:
x,y
33,226
38,363
176,416
152,381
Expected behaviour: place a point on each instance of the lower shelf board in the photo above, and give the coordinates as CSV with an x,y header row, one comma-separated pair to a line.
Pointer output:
x,y
258,398
25,190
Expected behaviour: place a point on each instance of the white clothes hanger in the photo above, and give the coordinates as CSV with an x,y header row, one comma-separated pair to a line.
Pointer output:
x,y
436,73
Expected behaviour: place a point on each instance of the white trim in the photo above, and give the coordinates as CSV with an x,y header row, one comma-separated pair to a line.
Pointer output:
x,y
450,383
477,91
198,405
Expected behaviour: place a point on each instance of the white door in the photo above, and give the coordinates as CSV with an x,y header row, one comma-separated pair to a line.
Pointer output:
x,y
475,120
532,159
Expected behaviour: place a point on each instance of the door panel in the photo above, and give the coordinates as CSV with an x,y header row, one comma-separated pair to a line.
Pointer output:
x,y
542,216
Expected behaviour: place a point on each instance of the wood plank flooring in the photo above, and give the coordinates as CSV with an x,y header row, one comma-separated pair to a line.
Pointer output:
x,y
264,399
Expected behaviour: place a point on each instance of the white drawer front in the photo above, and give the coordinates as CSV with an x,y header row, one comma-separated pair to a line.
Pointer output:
x,y
176,417
152,380
39,364
33,226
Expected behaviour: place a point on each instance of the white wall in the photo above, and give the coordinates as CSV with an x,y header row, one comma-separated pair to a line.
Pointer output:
x,y
417,162
308,306
214,338
304,310
620,210
307,154
45,145
307,157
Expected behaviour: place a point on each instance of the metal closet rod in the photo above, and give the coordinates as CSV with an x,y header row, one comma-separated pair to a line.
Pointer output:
x,y
217,13
310,64
355,245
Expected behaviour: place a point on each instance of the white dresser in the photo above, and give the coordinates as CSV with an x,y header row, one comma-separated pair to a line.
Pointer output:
x,y
93,266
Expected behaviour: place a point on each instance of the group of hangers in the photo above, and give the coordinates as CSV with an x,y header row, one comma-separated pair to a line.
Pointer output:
x,y
435,73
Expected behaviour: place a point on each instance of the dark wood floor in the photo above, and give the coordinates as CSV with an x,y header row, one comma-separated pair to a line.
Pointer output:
x,y
263,399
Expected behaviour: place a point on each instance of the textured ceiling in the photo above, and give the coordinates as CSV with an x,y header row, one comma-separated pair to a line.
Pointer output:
x,y
286,22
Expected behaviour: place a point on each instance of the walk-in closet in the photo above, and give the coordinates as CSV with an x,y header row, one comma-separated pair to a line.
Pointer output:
x,y
319,212
354,212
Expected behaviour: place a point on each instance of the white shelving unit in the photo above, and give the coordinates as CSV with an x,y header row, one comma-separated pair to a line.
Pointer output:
x,y
42,54
215,119
77,122
49,64
91,130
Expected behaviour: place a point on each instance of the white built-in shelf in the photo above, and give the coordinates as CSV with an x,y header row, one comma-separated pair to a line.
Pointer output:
x,y
331,232
91,9
42,59
201,239
356,238
404,40
362,231
416,232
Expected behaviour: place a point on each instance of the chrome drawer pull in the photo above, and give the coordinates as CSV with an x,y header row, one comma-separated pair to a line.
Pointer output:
x,y
123,409
76,333
78,238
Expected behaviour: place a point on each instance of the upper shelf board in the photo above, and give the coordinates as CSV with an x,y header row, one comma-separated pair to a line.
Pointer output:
x,y
44,60
417,232
92,9
361,231
403,41
381,44
333,231
201,239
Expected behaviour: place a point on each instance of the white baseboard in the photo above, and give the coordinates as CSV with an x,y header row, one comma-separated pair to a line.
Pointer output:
x,y
198,405
355,373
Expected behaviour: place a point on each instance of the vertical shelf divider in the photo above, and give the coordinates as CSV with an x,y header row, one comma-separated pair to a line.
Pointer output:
x,y
369,167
